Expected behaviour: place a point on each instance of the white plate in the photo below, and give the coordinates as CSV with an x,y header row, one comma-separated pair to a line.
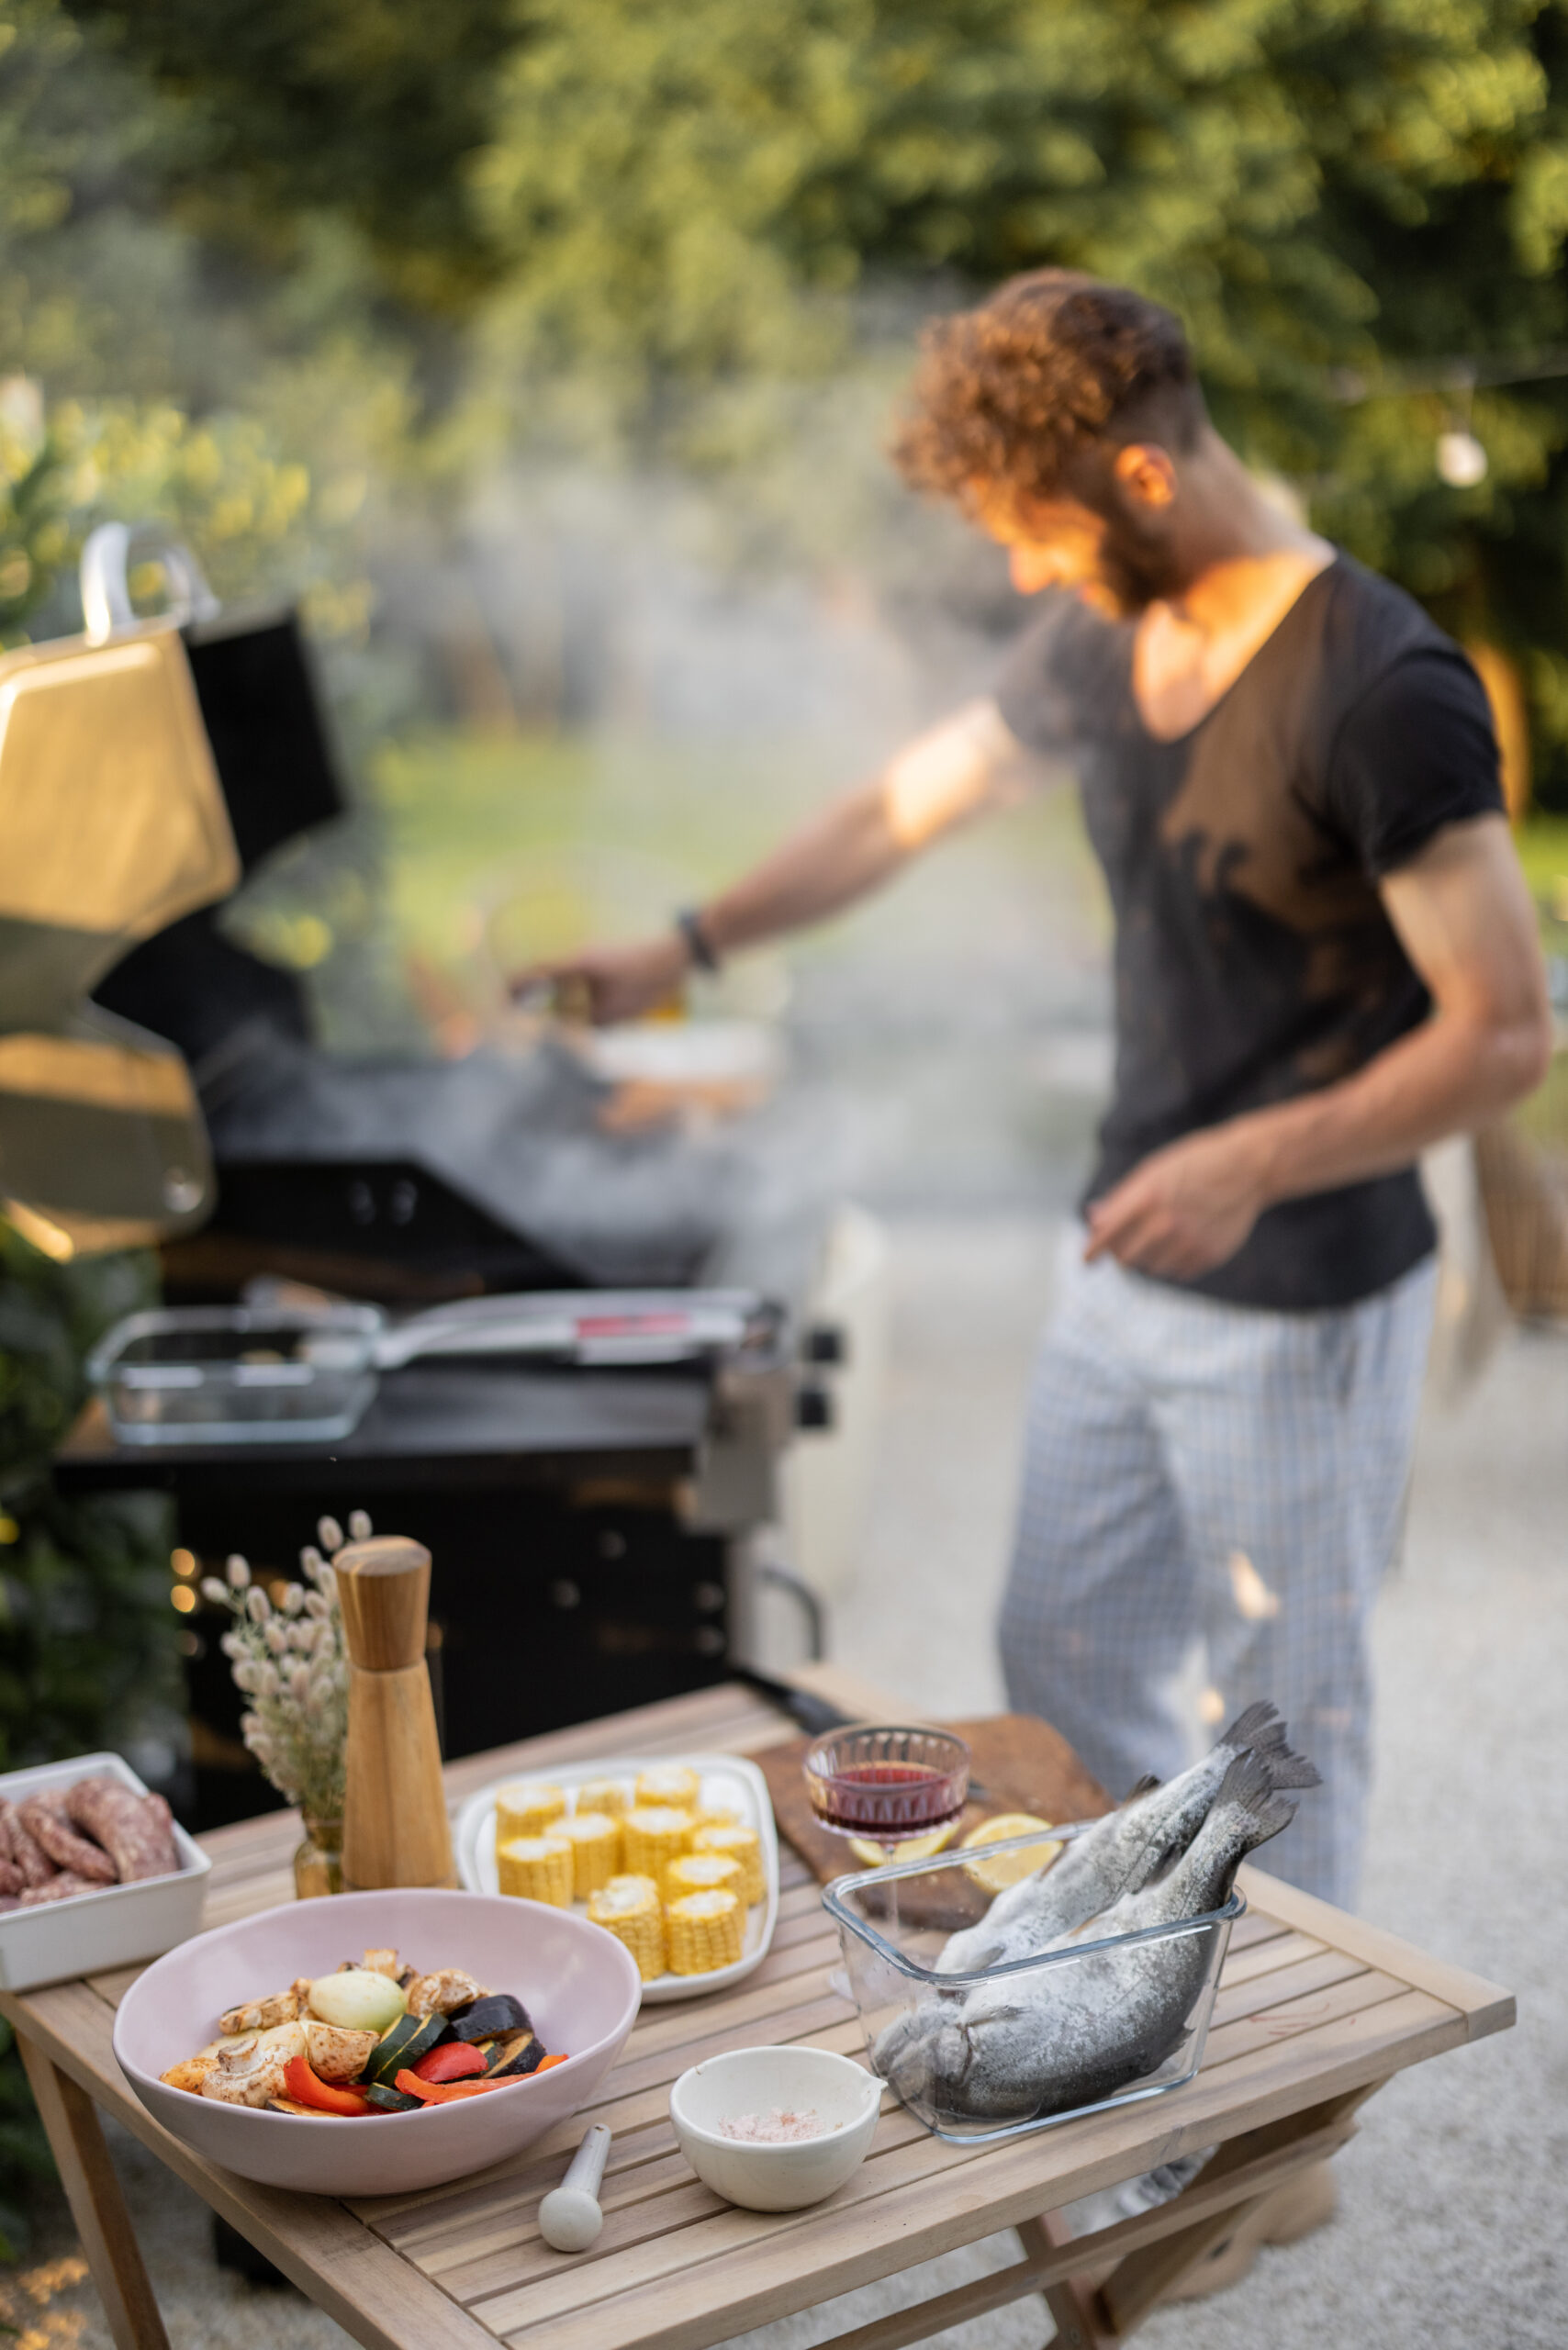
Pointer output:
x,y
726,1780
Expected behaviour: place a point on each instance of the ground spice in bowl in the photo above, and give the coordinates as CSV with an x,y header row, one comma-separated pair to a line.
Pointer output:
x,y
778,2128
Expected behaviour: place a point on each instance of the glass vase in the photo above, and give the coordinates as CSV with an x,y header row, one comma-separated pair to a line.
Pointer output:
x,y
319,1862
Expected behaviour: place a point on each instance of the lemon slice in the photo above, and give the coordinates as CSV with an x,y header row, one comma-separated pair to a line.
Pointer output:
x,y
1008,1868
913,1847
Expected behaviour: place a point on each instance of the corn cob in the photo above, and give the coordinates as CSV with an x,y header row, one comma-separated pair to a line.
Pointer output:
x,y
628,1908
704,1930
596,1850
537,1867
608,1796
668,1783
715,1814
525,1809
741,1844
652,1834
702,1872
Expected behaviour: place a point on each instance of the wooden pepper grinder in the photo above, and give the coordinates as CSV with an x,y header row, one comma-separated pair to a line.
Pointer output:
x,y
395,1827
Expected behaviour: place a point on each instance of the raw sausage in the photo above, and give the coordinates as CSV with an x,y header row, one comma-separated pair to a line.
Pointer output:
x,y
135,1831
62,1844
64,1886
35,1865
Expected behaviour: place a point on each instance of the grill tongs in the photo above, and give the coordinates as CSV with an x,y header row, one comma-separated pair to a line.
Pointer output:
x,y
593,1329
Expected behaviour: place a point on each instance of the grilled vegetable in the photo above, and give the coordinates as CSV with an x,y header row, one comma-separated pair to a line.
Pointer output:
x,y
498,2054
322,2096
358,1999
444,2092
454,2060
528,2054
484,2019
387,2100
410,2038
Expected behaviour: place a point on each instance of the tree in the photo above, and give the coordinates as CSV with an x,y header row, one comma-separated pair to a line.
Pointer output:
x,y
1362,197
367,108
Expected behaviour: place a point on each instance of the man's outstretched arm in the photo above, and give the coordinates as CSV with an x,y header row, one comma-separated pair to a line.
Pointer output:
x,y
1464,916
966,765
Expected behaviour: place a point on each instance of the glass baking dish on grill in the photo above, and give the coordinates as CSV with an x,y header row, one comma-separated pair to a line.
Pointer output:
x,y
1040,2041
221,1374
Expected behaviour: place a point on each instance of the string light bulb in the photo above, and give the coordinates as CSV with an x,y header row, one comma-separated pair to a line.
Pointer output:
x,y
1462,460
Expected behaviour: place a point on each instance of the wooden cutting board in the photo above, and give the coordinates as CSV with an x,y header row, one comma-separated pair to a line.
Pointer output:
x,y
1023,1764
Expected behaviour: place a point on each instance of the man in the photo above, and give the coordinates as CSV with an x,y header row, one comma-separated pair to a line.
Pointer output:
x,y
1325,959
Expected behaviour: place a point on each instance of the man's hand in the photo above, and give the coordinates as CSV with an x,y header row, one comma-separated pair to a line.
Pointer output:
x,y
1184,1209
618,982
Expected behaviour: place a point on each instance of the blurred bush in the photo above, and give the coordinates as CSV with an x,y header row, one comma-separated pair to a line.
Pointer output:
x,y
88,1641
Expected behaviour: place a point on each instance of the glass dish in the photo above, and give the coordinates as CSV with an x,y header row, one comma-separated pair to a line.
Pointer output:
x,y
221,1374
892,1922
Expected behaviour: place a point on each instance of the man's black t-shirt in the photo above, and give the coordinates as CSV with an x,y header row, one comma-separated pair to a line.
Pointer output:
x,y
1254,961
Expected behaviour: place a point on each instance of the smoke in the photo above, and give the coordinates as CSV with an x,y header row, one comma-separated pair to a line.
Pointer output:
x,y
646,673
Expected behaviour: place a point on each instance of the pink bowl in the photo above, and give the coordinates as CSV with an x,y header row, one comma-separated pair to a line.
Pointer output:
x,y
579,1985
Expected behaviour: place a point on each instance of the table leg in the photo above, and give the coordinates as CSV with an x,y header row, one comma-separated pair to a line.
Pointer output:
x,y
97,2204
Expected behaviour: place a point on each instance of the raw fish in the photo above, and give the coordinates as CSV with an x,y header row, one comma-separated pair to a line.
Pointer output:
x,y
1022,2044
1122,1852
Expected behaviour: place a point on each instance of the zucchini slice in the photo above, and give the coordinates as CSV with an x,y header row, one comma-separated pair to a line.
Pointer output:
x,y
390,2101
403,2043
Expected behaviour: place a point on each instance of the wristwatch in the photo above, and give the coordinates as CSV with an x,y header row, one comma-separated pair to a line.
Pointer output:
x,y
688,922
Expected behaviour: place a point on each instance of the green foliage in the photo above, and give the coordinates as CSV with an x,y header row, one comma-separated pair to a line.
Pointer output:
x,y
88,1654
1346,203
25,2158
658,198
368,107
89,1639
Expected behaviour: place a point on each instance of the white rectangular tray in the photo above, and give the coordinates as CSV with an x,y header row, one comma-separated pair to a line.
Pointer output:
x,y
112,1927
726,1779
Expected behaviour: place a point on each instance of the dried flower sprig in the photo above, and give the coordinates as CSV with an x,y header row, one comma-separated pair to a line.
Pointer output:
x,y
288,1658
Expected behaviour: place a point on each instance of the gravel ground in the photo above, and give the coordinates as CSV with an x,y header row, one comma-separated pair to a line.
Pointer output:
x,y
1450,2223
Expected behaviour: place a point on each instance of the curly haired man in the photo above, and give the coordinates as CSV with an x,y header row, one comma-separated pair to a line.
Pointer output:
x,y
1325,960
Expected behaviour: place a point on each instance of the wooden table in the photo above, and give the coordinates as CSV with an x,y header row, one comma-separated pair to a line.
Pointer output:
x,y
1314,2010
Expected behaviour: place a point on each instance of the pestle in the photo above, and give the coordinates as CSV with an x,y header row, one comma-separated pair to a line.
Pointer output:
x,y
395,1827
569,2217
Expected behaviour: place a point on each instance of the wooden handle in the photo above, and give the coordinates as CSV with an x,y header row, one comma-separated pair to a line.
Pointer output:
x,y
383,1589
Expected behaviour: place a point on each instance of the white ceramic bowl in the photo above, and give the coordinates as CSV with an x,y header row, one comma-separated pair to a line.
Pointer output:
x,y
760,2080
578,1983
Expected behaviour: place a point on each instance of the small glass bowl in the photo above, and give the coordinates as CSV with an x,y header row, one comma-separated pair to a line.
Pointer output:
x,y
887,1784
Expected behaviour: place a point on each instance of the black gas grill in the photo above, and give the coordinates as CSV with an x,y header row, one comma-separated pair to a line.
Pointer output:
x,y
589,1525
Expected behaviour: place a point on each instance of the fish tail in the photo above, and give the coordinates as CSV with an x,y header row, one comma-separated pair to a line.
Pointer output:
x,y
1259,1727
1260,1731
1248,1787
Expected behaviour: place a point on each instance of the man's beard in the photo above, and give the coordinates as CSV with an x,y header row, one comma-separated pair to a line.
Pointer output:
x,y
1138,569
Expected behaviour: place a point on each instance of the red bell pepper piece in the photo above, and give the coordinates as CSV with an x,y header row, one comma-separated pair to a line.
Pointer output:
x,y
326,2096
454,2060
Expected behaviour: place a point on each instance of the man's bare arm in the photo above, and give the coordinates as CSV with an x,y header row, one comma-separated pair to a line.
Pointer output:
x,y
1464,916
959,769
